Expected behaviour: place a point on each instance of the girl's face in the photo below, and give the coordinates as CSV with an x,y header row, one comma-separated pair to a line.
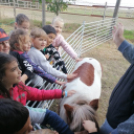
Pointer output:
x,y
27,45
12,74
58,26
39,43
27,128
25,25
5,47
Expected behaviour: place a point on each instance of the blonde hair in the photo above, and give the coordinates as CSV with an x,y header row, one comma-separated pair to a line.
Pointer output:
x,y
18,36
38,32
42,131
57,19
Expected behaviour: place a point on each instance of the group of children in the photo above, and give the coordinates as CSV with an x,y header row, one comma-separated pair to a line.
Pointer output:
x,y
37,56
24,57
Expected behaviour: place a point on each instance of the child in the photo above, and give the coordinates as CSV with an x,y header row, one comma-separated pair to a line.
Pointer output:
x,y
14,118
58,24
22,21
25,67
20,43
11,87
54,56
39,41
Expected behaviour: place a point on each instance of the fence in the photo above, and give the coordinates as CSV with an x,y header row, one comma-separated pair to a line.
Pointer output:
x,y
98,11
86,37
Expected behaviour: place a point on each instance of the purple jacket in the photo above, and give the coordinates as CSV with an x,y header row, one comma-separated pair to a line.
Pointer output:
x,y
37,68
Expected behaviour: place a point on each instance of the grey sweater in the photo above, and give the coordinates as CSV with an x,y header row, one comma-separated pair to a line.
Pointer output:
x,y
39,59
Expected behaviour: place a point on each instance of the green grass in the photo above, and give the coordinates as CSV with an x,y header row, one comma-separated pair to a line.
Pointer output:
x,y
129,35
9,23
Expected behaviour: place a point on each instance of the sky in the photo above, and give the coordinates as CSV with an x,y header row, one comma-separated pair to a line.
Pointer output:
x,y
129,3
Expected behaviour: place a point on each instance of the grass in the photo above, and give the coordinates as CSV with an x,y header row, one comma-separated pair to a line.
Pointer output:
x,y
8,24
129,35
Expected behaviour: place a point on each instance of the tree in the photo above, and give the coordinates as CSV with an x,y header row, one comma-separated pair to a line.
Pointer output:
x,y
57,6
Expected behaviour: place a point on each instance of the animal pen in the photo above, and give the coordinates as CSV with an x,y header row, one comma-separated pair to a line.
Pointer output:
x,y
86,37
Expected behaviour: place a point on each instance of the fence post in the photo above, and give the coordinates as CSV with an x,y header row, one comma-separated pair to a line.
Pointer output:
x,y
14,8
104,14
82,35
43,12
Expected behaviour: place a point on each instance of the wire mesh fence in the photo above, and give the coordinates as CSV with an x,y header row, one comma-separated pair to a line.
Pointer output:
x,y
86,37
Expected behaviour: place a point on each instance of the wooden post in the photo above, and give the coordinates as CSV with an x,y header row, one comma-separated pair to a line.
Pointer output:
x,y
104,14
43,12
14,8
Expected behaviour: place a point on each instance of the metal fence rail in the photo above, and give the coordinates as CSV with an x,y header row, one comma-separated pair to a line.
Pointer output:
x,y
86,37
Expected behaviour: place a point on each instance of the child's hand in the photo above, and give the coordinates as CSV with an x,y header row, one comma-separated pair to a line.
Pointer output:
x,y
24,77
78,59
118,34
56,132
71,77
47,56
59,82
69,93
89,126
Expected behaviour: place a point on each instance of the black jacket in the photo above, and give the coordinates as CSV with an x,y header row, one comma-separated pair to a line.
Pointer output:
x,y
24,66
121,105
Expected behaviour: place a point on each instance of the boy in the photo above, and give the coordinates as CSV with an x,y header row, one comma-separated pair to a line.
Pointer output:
x,y
39,41
50,51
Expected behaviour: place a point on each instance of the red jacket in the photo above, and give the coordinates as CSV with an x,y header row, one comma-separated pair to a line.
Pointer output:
x,y
33,94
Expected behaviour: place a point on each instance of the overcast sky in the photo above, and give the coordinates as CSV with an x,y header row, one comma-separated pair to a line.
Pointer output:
x,y
123,2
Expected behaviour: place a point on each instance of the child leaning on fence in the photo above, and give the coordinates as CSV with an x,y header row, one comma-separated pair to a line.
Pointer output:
x,y
20,43
39,42
58,24
15,119
25,67
11,87
52,53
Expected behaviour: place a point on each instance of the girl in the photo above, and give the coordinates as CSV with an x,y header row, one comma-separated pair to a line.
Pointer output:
x,y
20,43
23,64
58,24
11,87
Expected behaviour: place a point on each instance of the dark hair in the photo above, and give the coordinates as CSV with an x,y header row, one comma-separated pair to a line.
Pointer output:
x,y
4,59
13,116
49,29
20,18
18,36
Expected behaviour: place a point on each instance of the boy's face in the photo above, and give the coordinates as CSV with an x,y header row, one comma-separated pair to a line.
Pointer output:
x,y
39,43
51,38
25,25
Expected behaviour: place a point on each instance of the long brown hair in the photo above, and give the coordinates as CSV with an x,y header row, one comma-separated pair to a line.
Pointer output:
x,y
4,60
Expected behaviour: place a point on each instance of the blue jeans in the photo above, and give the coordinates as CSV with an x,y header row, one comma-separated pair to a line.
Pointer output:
x,y
106,128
